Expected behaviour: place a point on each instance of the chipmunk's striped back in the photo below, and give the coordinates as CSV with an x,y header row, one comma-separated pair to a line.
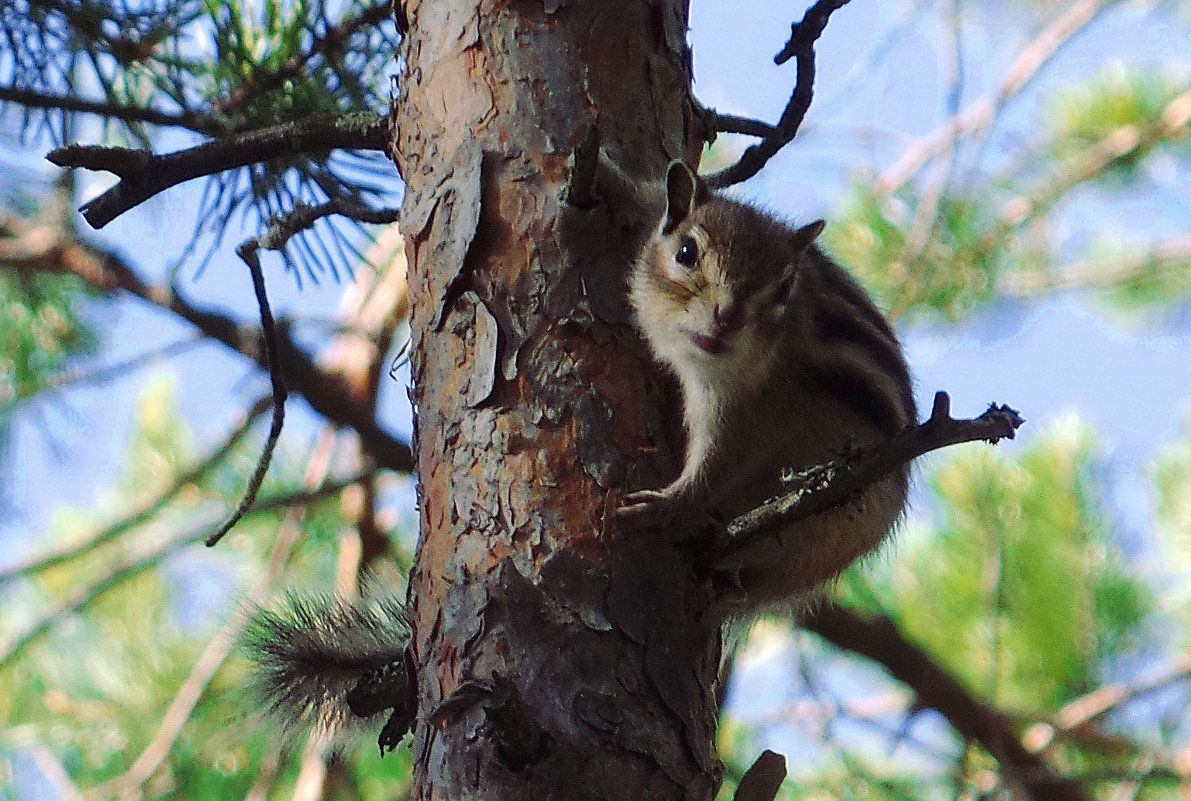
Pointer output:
x,y
848,346
784,363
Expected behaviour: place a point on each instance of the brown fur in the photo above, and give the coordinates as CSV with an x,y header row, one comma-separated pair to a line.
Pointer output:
x,y
784,362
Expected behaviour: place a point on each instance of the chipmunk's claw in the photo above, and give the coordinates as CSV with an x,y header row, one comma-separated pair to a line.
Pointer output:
x,y
645,508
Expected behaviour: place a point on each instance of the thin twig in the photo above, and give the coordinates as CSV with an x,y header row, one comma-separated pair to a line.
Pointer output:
x,y
51,768
801,47
926,214
732,124
143,174
1165,254
831,484
248,252
279,233
918,270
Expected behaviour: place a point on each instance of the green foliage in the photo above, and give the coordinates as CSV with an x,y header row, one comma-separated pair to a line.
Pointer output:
x,y
1116,101
949,275
265,70
42,327
1020,591
95,688
1172,480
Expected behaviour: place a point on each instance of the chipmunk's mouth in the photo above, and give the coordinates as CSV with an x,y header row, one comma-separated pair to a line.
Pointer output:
x,y
713,345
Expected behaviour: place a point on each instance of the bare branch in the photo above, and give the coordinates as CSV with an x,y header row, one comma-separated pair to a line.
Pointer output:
x,y
304,216
821,487
143,175
200,123
879,639
800,47
1166,254
980,114
279,233
762,781
730,123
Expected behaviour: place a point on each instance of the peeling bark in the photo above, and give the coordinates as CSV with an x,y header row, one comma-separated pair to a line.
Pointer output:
x,y
557,658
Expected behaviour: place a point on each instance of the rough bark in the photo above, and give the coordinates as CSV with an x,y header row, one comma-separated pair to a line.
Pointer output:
x,y
557,657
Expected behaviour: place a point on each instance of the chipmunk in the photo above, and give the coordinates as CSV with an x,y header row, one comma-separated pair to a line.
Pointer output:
x,y
783,362
327,663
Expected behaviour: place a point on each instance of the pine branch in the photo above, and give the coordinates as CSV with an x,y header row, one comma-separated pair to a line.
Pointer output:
x,y
200,123
143,175
332,39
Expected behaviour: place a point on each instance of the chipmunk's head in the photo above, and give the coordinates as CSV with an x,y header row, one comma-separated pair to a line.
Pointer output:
x,y
711,287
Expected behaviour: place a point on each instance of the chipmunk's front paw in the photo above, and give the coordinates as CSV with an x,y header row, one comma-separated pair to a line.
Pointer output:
x,y
645,508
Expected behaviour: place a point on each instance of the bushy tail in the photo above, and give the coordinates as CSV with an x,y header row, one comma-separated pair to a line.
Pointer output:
x,y
321,660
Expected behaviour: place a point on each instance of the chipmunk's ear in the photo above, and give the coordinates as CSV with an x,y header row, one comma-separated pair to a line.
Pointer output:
x,y
685,191
805,236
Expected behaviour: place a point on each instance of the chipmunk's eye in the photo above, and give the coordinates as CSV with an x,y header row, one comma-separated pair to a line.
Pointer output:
x,y
688,252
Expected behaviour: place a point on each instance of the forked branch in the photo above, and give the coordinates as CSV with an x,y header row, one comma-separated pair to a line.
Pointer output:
x,y
800,47
143,175
821,487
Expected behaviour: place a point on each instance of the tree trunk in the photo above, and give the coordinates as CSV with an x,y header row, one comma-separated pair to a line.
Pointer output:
x,y
556,657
